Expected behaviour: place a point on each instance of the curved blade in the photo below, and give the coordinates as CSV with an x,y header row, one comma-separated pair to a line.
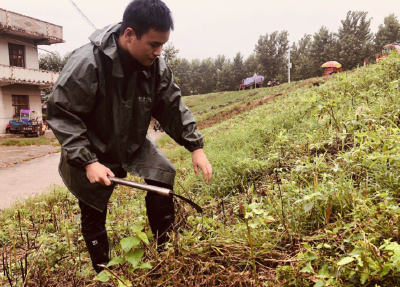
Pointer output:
x,y
197,207
155,189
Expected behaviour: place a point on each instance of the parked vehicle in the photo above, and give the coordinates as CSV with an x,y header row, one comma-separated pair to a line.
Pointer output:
x,y
273,83
27,124
251,83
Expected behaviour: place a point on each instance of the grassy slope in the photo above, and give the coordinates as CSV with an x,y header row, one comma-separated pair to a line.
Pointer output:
x,y
305,193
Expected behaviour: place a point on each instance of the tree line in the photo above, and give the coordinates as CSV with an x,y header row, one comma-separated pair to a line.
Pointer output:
x,y
350,45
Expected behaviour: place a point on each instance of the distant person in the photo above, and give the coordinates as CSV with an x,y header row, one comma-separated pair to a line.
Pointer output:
x,y
242,86
100,110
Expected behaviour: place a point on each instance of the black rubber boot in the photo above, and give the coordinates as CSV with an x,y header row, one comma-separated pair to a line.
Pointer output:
x,y
161,214
98,249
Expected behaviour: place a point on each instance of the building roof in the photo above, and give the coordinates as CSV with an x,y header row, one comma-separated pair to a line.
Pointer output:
x,y
41,32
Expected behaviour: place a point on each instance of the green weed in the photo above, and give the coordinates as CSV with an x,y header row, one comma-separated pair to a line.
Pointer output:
x,y
305,193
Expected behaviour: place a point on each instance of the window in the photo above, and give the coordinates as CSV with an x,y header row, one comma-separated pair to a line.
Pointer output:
x,y
20,103
17,55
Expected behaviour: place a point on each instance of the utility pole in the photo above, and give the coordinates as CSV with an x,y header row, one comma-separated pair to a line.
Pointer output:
x,y
289,67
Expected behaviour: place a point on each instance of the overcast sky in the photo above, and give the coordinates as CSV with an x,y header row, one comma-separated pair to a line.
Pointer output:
x,y
206,28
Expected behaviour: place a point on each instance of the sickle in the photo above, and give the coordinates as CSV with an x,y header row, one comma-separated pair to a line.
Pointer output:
x,y
156,189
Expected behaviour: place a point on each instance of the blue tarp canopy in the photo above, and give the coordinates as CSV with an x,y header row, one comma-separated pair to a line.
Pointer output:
x,y
250,81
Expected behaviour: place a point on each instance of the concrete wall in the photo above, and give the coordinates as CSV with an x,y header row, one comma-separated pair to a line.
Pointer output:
x,y
31,52
6,108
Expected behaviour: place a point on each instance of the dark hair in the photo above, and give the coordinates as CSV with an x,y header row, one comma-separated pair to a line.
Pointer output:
x,y
142,15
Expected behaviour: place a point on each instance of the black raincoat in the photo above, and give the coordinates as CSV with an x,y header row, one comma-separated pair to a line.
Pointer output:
x,y
95,121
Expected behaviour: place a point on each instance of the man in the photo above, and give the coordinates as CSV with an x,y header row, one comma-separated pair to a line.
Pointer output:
x,y
100,110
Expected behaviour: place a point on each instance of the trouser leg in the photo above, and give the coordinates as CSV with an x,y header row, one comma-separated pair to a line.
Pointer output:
x,y
160,211
95,234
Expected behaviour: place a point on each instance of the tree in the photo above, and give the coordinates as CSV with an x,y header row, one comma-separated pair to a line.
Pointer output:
x,y
323,49
53,61
226,77
301,58
208,79
238,69
252,66
271,51
387,33
183,71
170,53
219,62
196,76
354,40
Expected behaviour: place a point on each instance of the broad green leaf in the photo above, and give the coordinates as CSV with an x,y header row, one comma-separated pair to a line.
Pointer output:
x,y
129,242
102,276
393,246
136,228
125,282
386,270
143,236
319,283
146,265
260,220
310,256
133,257
307,269
115,261
364,277
345,261
357,251
324,273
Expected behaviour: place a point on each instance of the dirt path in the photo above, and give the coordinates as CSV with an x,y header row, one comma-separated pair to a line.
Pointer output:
x,y
25,178
11,155
154,134
28,178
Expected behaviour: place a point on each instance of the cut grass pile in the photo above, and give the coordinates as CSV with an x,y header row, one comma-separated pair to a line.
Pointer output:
x,y
305,193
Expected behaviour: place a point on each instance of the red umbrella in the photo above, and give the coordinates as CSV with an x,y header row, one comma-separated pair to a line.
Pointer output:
x,y
332,64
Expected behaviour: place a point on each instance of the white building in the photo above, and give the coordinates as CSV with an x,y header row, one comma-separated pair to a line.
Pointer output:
x,y
20,77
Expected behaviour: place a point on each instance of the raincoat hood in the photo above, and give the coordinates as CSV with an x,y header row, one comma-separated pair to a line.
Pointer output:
x,y
101,37
106,40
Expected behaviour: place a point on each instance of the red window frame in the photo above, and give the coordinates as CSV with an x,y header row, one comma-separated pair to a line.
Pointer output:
x,y
17,55
20,102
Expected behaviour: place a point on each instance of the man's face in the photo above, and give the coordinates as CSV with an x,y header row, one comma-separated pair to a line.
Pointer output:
x,y
149,47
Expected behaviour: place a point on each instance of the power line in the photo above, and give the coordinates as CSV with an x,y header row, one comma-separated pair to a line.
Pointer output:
x,y
83,15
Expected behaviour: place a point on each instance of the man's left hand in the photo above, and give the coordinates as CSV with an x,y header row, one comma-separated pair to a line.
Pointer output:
x,y
200,160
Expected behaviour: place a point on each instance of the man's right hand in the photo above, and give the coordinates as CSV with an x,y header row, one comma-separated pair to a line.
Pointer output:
x,y
98,173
